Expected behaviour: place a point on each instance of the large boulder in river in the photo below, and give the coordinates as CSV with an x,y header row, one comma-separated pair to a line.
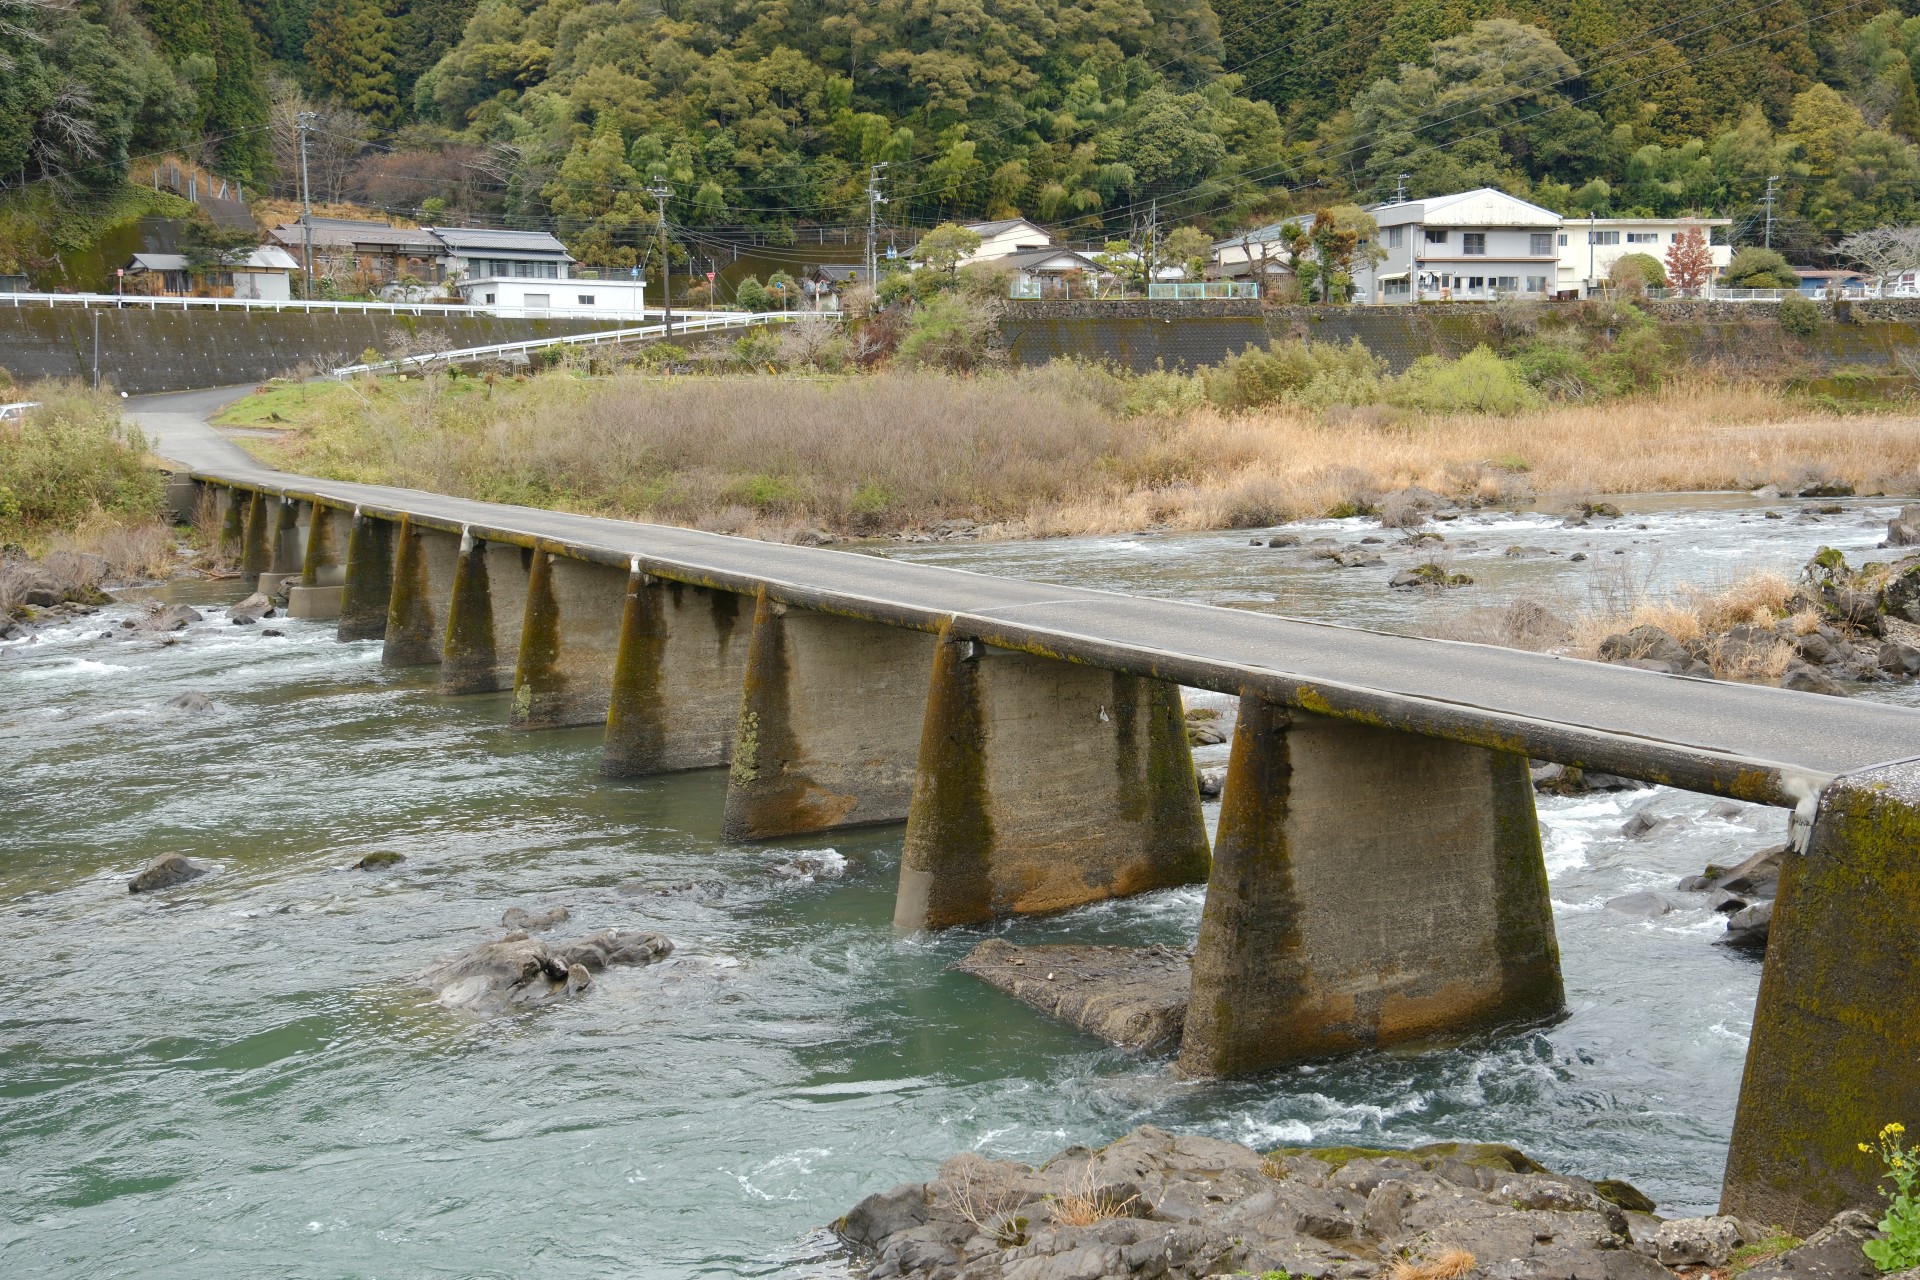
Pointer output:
x,y
519,971
1904,529
1173,1207
250,610
166,871
1651,649
1831,1253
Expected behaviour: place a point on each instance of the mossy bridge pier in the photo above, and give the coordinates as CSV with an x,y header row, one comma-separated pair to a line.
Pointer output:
x,y
1376,875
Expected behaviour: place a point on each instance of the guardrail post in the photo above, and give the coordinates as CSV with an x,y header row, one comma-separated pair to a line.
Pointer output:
x,y
417,606
369,585
1369,886
1835,1045
829,727
1043,784
677,679
568,639
483,622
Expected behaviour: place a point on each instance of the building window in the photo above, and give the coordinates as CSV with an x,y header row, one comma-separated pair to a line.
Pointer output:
x,y
1563,239
1536,284
1476,283
1393,236
1394,289
1603,237
1436,235
1508,284
1643,237
1473,242
490,299
1540,243
586,299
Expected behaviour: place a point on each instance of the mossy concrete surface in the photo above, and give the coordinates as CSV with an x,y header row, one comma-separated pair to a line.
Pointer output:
x,y
1835,1052
676,684
145,351
363,610
569,639
423,568
484,620
1368,887
1044,785
830,717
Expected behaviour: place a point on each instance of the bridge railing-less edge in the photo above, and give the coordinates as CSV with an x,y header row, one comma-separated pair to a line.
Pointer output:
x,y
1377,874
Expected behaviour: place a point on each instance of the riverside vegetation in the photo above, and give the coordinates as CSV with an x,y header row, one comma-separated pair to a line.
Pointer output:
x,y
80,504
783,436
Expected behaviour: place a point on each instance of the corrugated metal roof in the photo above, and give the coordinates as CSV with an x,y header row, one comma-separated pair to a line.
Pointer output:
x,y
347,233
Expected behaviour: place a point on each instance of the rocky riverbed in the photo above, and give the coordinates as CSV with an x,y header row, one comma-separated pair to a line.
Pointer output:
x,y
1160,1206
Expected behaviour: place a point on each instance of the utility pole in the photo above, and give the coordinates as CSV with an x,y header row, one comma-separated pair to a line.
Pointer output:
x,y
874,201
1153,233
659,190
1768,201
1400,189
305,122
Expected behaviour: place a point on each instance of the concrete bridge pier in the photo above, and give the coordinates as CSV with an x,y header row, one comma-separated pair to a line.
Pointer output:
x,y
677,678
569,636
256,543
1369,886
323,566
369,581
1041,785
483,624
830,717
233,520
417,606
287,560
1835,1051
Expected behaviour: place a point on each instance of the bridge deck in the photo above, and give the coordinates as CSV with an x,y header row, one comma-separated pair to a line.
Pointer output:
x,y
1758,743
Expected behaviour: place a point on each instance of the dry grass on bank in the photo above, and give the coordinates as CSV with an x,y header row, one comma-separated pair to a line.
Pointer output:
x,y
1041,452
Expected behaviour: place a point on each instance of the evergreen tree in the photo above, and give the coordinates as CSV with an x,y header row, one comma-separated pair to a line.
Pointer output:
x,y
350,57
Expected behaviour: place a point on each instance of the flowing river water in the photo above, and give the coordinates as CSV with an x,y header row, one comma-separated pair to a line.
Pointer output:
x,y
235,1078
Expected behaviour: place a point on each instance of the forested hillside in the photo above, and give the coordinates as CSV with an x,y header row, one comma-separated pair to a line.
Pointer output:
x,y
1082,113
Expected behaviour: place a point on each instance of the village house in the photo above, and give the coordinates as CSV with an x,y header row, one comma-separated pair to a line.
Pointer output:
x,y
1005,238
366,254
260,274
531,273
1590,246
1473,246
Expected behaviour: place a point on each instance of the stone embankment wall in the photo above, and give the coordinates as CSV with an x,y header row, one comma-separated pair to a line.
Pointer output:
x,y
143,351
1877,336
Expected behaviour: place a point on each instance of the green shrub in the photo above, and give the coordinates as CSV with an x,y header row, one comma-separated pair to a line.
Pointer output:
x,y
769,493
1757,268
1164,394
1641,270
1557,365
71,457
756,348
1316,375
949,332
1478,382
1638,361
1799,316
753,295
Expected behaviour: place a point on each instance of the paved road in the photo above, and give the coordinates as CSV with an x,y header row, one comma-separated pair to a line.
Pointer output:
x,y
1770,745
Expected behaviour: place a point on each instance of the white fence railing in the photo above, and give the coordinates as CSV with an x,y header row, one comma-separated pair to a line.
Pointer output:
x,y
702,322
114,301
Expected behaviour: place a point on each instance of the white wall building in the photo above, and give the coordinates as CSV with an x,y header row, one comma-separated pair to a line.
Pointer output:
x,y
1473,246
530,273
1005,238
1590,246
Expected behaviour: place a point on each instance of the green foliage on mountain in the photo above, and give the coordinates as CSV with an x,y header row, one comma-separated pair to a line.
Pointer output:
x,y
1085,114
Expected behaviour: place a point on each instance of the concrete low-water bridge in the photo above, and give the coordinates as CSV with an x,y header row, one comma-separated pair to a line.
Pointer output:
x,y
1376,874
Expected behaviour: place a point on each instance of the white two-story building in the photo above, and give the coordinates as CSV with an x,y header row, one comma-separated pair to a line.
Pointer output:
x,y
530,273
1590,246
1474,246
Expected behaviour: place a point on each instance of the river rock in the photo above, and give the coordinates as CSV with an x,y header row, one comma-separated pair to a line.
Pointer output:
x,y
172,618
250,610
379,860
166,871
519,971
698,890
1831,1253
1641,825
1162,1207
1697,1242
1748,927
1571,780
1133,997
1651,649
1898,659
1808,679
1212,780
535,921
1643,906
191,703
1904,529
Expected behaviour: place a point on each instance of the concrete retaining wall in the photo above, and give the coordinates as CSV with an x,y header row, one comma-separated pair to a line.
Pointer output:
x,y
1142,336
144,351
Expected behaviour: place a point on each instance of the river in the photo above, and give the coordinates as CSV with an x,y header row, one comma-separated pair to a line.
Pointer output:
x,y
234,1078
